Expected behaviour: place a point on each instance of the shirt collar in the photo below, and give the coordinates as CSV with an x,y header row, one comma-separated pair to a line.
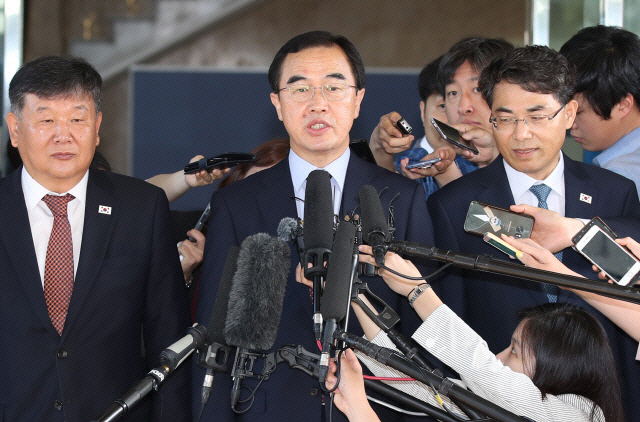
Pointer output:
x,y
628,143
300,169
424,144
520,182
34,191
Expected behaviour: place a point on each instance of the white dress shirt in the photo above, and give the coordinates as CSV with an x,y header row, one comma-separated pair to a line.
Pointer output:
x,y
520,184
41,217
300,170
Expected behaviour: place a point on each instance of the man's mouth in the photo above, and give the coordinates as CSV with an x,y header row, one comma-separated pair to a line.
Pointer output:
x,y
318,126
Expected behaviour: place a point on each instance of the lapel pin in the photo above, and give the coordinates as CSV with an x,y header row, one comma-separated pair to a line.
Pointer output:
x,y
585,198
103,209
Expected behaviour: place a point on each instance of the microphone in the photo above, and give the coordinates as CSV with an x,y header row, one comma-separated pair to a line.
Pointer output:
x,y
255,301
318,228
337,293
374,227
290,230
217,353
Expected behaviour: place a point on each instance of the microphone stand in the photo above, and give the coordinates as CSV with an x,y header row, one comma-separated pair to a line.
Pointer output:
x,y
443,385
495,266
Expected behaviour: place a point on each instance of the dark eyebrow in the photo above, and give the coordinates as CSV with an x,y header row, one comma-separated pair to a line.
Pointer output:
x,y
536,108
296,78
336,76
504,110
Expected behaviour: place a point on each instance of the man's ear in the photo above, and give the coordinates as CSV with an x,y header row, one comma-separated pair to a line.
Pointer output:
x,y
624,107
359,97
570,112
12,126
422,106
275,100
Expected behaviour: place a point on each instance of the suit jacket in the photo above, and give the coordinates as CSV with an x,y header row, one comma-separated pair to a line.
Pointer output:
x,y
128,283
257,204
490,303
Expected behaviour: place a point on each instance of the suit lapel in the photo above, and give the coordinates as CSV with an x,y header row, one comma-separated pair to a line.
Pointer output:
x,y
358,175
576,185
276,199
95,239
18,242
494,186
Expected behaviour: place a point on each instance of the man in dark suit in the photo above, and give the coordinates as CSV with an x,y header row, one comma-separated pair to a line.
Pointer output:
x,y
317,80
530,93
87,285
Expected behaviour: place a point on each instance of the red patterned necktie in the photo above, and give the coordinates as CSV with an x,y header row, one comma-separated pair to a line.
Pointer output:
x,y
58,268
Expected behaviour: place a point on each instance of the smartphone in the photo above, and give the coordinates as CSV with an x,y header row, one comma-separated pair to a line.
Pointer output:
x,y
452,136
423,164
605,253
483,218
202,220
501,245
222,161
404,127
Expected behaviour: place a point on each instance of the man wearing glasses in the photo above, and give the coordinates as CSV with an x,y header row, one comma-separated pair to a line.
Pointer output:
x,y
318,83
530,93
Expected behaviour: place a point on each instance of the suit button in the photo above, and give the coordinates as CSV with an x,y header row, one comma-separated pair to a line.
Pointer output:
x,y
62,353
57,404
314,391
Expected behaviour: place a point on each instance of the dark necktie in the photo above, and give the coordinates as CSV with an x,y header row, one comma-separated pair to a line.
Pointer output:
x,y
58,268
542,192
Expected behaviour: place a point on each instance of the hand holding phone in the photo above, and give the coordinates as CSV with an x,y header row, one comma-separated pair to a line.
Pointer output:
x,y
596,243
452,136
483,218
423,164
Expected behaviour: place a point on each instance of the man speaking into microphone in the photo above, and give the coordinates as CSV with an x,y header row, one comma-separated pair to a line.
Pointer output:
x,y
318,84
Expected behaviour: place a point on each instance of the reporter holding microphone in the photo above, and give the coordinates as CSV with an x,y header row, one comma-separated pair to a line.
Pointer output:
x,y
558,365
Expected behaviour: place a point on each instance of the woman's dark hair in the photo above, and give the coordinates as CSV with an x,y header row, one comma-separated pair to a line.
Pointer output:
x,y
572,355
267,154
607,65
534,68
316,39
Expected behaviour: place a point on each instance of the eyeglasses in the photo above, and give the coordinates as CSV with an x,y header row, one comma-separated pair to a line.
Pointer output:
x,y
536,121
330,92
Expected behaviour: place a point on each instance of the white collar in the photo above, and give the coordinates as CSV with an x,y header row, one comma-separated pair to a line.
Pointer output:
x,y
34,191
300,169
520,182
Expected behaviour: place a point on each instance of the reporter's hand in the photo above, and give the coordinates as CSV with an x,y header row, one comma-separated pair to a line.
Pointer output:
x,y
192,253
350,397
484,142
535,256
550,230
447,156
398,284
203,177
387,137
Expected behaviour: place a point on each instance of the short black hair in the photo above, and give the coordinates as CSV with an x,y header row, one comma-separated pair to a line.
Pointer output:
x,y
428,80
55,77
478,51
534,68
316,39
607,66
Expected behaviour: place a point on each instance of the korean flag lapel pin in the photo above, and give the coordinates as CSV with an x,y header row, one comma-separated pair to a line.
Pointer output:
x,y
103,209
585,198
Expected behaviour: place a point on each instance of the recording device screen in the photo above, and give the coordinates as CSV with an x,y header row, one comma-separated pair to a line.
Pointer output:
x,y
608,255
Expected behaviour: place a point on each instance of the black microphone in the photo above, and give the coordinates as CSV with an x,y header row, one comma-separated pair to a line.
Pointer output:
x,y
337,293
318,233
375,229
215,357
255,301
291,230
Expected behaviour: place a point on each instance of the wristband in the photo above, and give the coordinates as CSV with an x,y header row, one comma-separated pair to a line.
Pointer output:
x,y
416,292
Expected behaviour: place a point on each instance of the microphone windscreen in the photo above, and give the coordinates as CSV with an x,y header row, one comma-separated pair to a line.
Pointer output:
x,y
288,229
371,215
257,292
318,211
336,297
219,312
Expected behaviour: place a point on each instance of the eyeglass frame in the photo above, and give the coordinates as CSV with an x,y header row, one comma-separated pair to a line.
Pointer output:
x,y
493,120
313,91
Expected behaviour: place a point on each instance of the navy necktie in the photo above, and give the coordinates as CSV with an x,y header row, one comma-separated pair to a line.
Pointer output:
x,y
542,192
